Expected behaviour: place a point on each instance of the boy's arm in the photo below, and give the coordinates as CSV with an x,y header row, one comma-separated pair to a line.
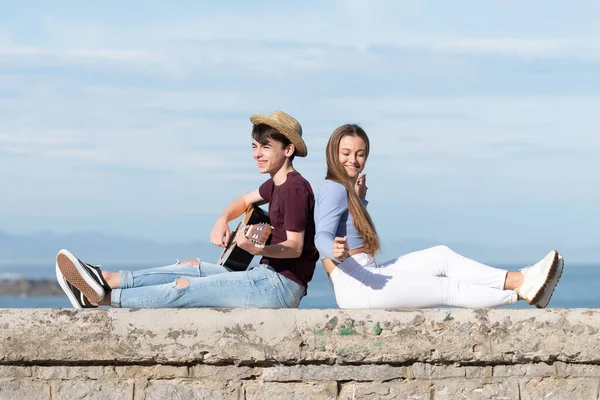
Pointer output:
x,y
219,236
296,209
290,248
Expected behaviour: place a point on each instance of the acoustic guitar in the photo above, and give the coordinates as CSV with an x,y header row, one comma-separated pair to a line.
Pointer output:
x,y
256,227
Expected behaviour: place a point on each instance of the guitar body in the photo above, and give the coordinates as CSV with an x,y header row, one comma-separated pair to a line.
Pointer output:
x,y
235,258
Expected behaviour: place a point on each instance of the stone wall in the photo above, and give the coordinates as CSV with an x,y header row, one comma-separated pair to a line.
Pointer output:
x,y
299,354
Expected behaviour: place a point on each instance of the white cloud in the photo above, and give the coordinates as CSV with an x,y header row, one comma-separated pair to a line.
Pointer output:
x,y
526,143
7,140
235,43
117,55
106,120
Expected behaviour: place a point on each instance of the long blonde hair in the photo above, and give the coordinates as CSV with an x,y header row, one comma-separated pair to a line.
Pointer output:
x,y
336,172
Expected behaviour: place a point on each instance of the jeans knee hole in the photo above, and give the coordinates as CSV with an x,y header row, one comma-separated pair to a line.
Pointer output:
x,y
181,283
192,262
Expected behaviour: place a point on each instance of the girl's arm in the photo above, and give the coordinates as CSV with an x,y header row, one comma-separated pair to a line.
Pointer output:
x,y
332,202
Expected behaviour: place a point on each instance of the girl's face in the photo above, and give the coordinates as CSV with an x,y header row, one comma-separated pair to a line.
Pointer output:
x,y
353,155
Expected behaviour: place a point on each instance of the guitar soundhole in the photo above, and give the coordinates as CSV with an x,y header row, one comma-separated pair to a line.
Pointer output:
x,y
257,229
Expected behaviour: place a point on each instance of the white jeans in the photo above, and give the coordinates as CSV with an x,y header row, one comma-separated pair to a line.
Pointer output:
x,y
428,278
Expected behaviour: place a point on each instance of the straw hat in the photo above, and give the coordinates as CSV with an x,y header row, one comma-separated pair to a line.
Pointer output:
x,y
287,126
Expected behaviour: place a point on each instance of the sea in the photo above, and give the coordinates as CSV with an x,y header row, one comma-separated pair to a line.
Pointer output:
x,y
578,288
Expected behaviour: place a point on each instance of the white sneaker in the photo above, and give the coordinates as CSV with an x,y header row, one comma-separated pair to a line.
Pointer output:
x,y
545,299
537,277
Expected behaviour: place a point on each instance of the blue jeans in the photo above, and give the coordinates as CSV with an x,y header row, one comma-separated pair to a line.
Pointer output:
x,y
210,285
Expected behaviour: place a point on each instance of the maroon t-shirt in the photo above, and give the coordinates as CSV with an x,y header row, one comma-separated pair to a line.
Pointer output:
x,y
291,208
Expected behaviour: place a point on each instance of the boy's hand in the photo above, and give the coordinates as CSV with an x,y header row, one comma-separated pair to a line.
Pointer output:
x,y
360,187
220,231
243,243
340,248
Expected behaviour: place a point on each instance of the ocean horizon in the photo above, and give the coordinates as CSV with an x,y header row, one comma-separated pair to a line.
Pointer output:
x,y
576,289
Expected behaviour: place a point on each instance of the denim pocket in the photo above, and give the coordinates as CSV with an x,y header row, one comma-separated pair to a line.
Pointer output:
x,y
290,293
271,289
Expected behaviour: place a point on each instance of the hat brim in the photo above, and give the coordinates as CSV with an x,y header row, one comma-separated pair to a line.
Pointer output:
x,y
297,141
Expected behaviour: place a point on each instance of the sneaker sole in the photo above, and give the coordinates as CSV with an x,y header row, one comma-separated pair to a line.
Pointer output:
x,y
63,285
551,275
79,277
543,302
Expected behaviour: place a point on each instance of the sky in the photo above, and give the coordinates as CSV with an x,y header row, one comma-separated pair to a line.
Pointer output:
x,y
132,118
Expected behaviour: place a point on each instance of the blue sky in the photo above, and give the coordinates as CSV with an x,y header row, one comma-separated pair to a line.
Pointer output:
x,y
132,119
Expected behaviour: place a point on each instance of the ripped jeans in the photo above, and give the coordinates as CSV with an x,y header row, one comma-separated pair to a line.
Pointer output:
x,y
210,285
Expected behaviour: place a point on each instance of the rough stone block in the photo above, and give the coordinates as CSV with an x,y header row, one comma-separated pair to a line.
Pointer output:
x,y
541,369
300,390
503,371
67,372
24,389
559,389
333,373
429,371
93,390
12,371
535,369
400,390
224,373
188,390
577,370
475,389
151,372
478,372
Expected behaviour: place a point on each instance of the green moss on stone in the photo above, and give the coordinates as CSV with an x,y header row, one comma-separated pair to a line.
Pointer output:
x,y
347,331
377,329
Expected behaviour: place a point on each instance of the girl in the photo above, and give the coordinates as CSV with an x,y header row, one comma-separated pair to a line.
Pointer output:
x,y
347,241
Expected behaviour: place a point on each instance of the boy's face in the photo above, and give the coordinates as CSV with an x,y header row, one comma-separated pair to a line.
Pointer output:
x,y
271,156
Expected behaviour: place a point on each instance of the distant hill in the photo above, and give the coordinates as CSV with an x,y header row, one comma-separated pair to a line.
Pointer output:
x,y
98,248
525,254
124,252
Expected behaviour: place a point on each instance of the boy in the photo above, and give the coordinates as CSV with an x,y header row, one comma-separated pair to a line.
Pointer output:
x,y
286,266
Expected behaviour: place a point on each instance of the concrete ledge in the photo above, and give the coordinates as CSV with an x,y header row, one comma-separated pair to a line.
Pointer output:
x,y
291,354
262,337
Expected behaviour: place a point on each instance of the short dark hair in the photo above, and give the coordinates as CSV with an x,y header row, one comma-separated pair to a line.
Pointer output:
x,y
263,132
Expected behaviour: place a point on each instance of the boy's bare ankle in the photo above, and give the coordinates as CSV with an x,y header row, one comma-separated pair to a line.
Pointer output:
x,y
112,278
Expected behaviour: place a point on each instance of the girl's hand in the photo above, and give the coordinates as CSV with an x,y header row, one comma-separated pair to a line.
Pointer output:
x,y
340,248
360,187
